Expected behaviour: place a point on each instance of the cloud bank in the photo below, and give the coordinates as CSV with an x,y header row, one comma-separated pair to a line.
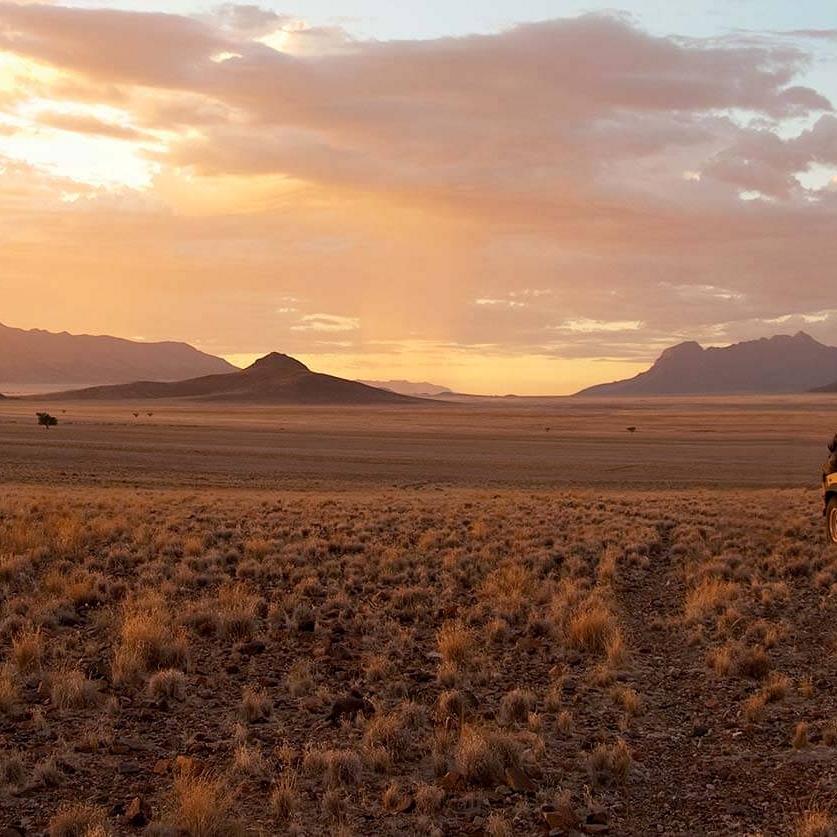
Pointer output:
x,y
557,193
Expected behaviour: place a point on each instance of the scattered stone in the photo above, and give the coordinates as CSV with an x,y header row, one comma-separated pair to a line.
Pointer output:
x,y
138,813
452,780
518,781
699,730
189,765
162,767
350,707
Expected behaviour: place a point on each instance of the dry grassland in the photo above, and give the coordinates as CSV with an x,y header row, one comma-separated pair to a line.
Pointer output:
x,y
440,662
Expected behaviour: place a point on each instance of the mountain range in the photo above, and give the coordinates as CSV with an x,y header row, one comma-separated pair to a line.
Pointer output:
x,y
43,357
273,379
769,366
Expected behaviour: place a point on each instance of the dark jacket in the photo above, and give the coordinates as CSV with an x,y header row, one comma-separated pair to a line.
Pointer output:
x,y
830,464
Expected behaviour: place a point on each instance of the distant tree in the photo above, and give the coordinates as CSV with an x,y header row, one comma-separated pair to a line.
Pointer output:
x,y
136,415
631,429
149,414
46,420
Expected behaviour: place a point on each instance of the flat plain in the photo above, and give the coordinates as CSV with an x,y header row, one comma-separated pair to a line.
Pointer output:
x,y
496,618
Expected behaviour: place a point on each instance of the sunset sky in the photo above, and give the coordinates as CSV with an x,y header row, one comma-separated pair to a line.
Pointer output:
x,y
526,196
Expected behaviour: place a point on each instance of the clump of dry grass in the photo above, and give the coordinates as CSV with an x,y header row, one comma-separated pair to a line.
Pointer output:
x,y
457,644
343,768
399,733
284,799
250,761
256,705
9,690
70,689
592,627
27,653
79,820
201,805
609,765
482,756
236,612
815,824
149,641
516,706
169,683
800,736
708,598
498,825
12,769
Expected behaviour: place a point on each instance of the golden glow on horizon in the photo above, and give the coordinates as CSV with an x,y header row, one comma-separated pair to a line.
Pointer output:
x,y
467,371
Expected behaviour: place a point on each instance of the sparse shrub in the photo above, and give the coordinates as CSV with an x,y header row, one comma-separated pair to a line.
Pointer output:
x,y
48,773
9,691
609,765
429,799
815,824
399,732
591,628
237,612
343,767
800,736
201,806
497,825
256,706
482,756
284,799
79,820
72,690
300,678
456,644
169,683
249,761
710,597
516,706
476,759
148,642
753,708
28,651
12,769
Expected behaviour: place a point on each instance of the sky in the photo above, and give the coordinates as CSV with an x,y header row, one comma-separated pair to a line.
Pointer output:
x,y
500,197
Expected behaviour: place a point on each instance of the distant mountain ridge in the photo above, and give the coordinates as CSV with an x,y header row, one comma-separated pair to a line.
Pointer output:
x,y
419,389
44,357
777,365
273,379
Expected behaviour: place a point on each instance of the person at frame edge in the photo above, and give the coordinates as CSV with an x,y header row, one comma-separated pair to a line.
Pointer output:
x,y
830,464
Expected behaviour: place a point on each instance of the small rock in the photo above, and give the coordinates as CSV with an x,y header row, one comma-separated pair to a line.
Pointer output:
x,y
251,649
452,780
162,767
138,813
129,767
189,765
518,781
699,730
350,707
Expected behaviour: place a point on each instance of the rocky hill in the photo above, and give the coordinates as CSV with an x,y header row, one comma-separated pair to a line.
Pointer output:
x,y
774,365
